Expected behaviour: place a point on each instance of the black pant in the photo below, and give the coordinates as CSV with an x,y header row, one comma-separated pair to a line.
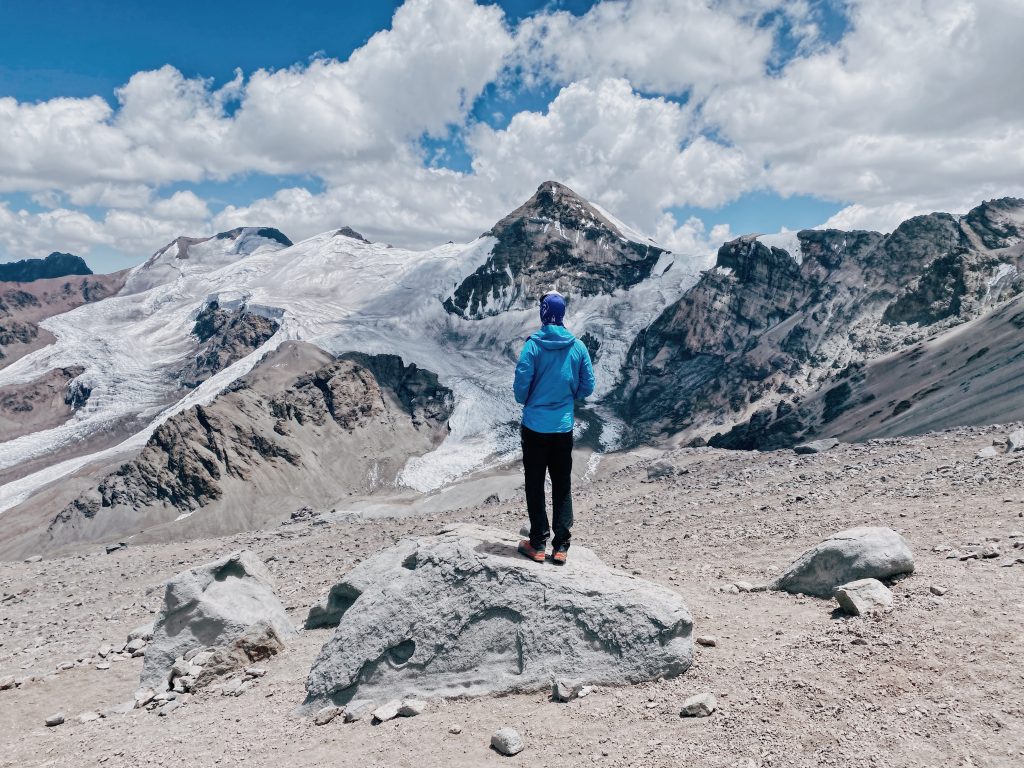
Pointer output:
x,y
548,452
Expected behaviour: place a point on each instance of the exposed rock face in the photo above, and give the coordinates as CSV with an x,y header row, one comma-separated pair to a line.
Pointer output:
x,y
859,553
55,265
760,332
556,240
211,605
40,404
24,305
461,613
225,335
301,426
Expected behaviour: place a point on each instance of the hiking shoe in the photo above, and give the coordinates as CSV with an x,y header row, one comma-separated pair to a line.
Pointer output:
x,y
526,549
559,557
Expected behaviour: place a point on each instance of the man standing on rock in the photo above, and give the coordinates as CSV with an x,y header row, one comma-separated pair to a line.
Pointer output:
x,y
554,371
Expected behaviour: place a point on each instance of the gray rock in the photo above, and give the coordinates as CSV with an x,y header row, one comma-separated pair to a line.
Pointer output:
x,y
816,446
700,705
412,708
457,614
859,553
387,711
33,559
863,596
169,707
989,551
660,470
936,590
88,717
326,714
1015,441
212,605
507,741
6,682
708,641
358,709
565,690
120,709
53,720
143,696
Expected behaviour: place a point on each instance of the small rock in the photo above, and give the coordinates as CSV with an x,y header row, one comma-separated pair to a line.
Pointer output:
x,y
507,741
937,590
863,596
816,446
143,696
659,470
412,707
35,559
103,665
708,641
357,710
563,689
1015,441
388,711
136,645
325,715
744,586
169,707
6,683
120,709
455,730
255,671
700,705
989,452
54,720
989,551
88,717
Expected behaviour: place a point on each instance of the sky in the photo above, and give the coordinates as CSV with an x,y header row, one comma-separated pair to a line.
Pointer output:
x,y
125,124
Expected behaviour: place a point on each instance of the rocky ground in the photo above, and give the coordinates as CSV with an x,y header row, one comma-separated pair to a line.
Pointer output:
x,y
936,681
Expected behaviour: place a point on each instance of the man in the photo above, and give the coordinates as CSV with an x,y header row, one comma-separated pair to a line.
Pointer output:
x,y
554,370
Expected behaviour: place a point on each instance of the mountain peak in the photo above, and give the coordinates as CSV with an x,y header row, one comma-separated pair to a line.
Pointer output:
x,y
556,203
57,264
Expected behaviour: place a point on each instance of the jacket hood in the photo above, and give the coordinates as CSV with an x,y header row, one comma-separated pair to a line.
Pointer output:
x,y
554,337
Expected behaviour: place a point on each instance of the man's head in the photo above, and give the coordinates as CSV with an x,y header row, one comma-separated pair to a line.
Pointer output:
x,y
552,308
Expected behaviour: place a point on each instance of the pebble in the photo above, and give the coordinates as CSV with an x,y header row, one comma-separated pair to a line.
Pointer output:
x,y
325,715
88,717
54,720
6,683
989,551
357,710
412,707
33,559
169,707
937,590
563,689
507,741
455,730
700,705
708,641
387,711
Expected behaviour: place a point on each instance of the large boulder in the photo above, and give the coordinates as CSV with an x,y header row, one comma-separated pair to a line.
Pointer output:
x,y
211,605
463,614
859,553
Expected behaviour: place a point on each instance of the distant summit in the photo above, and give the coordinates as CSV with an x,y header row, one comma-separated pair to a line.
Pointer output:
x,y
55,265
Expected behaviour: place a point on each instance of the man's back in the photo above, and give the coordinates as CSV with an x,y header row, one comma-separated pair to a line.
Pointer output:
x,y
554,370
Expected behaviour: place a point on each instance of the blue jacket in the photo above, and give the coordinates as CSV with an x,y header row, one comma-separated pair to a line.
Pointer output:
x,y
554,370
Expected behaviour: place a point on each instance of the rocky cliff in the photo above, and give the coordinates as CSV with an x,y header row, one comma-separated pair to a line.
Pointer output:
x,y
224,336
555,240
301,428
55,265
762,329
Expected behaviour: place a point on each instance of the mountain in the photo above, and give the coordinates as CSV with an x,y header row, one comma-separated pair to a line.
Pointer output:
x,y
55,265
199,316
555,240
739,358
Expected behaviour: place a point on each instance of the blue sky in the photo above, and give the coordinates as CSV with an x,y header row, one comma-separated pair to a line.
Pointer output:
x,y
742,133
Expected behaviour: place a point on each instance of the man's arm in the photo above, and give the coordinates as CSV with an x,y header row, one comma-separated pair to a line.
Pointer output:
x,y
586,386
524,373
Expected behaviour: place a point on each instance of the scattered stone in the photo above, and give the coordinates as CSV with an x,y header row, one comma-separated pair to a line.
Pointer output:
x,y
744,586
388,711
33,559
708,641
936,590
358,709
700,705
858,553
54,720
326,714
432,622
143,696
120,709
863,596
989,452
816,446
213,604
111,548
142,632
255,672
1015,441
169,707
660,470
455,730
507,741
7,683
989,551
103,665
88,717
565,690
412,708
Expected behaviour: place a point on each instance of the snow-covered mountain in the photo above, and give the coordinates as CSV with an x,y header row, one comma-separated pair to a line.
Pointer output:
x,y
231,299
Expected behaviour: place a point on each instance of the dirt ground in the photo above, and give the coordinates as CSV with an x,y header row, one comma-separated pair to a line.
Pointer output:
x,y
939,681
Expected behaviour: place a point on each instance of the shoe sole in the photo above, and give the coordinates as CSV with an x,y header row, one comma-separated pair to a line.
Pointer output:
x,y
538,558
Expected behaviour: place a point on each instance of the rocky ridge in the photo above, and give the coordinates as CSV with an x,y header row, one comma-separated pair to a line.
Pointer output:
x,y
55,265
